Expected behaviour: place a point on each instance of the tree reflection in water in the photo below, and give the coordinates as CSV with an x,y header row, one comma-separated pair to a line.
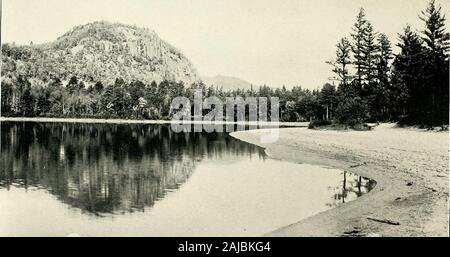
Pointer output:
x,y
107,168
352,186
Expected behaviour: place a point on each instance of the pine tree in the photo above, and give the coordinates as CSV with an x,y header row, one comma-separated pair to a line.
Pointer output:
x,y
370,52
26,102
6,93
98,87
437,41
327,99
435,35
342,62
358,36
408,77
365,51
383,70
72,85
384,57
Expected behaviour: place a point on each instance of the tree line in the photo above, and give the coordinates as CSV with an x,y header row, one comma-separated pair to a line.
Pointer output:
x,y
410,87
373,85
136,100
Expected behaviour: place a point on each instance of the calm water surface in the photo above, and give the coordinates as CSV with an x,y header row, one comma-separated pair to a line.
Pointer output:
x,y
145,180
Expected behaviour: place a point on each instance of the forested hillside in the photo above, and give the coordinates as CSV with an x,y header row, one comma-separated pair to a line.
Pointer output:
x,y
99,51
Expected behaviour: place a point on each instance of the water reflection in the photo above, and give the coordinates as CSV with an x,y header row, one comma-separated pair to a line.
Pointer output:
x,y
134,179
107,168
351,187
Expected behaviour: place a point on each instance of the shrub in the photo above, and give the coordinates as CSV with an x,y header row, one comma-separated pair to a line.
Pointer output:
x,y
318,123
352,111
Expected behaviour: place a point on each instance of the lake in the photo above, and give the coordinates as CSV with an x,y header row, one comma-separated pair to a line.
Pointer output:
x,y
58,179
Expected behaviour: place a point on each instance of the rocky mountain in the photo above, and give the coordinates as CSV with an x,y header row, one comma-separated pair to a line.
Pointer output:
x,y
100,51
227,82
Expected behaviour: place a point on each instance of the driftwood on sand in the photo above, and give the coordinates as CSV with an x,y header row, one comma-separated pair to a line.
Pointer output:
x,y
390,222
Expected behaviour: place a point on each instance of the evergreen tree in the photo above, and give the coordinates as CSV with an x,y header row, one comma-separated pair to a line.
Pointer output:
x,y
358,36
327,99
26,103
98,87
369,57
342,61
384,57
43,103
437,42
435,35
6,98
382,89
107,100
408,77
72,85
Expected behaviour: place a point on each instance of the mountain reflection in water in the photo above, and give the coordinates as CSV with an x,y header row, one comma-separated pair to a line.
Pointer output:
x,y
135,179
107,168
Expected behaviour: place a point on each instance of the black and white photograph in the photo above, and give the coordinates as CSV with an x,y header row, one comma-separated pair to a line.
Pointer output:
x,y
224,118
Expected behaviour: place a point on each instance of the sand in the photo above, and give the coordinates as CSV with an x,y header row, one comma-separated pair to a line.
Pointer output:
x,y
411,167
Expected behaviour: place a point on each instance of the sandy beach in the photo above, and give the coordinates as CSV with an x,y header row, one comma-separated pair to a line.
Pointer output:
x,y
411,167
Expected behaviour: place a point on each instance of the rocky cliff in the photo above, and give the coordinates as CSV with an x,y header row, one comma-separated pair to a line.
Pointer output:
x,y
101,51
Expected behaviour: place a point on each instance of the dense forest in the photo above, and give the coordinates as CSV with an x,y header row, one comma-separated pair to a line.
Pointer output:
x,y
371,84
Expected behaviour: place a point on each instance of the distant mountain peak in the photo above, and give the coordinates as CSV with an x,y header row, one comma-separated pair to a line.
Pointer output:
x,y
227,82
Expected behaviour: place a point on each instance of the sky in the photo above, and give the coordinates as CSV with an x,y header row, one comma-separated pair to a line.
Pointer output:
x,y
273,42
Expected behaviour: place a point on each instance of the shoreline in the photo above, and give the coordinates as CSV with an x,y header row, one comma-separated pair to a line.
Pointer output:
x,y
412,183
131,121
410,167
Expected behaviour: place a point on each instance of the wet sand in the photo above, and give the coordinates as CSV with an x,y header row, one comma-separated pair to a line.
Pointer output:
x,y
411,167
